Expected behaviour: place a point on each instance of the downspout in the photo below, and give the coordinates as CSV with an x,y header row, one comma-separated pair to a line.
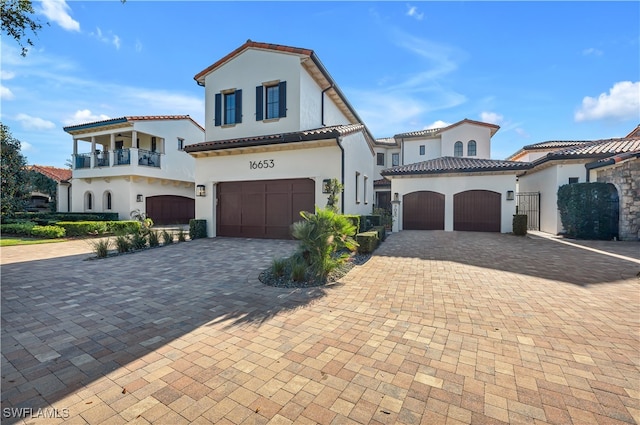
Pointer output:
x,y
342,171
322,104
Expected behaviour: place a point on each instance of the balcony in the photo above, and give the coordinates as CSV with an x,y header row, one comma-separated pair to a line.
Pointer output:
x,y
109,161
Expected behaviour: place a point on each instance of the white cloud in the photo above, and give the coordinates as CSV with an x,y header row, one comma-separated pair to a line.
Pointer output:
x,y
413,12
6,94
58,12
6,75
591,51
108,38
491,117
25,146
34,123
437,124
621,103
84,116
522,133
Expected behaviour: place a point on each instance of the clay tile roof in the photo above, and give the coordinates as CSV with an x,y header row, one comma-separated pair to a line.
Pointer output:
x,y
556,144
381,182
634,133
125,119
386,141
256,45
434,131
57,174
451,164
280,138
598,148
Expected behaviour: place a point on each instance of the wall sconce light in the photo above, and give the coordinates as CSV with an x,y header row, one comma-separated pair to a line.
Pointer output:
x,y
510,195
396,197
326,186
139,198
201,190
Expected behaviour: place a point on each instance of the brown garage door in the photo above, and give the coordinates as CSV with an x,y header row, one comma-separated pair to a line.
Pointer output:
x,y
264,208
170,209
477,211
423,210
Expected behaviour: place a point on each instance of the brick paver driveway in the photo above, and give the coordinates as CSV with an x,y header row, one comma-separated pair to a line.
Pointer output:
x,y
435,328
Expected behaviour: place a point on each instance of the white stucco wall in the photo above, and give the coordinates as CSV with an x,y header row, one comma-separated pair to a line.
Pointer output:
x,y
124,191
311,111
387,159
464,133
411,150
358,159
63,197
315,163
547,181
452,184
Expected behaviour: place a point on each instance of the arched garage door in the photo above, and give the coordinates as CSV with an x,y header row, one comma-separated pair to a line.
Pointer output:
x,y
170,209
423,210
262,208
477,211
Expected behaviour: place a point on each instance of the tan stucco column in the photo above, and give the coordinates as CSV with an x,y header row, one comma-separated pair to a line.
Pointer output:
x,y
93,151
134,139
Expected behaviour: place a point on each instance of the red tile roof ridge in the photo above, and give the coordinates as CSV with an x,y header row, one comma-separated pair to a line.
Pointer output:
x,y
55,173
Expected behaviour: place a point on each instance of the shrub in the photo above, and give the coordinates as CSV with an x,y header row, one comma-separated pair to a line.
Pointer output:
x,y
138,240
49,232
385,217
298,271
83,228
586,210
367,222
355,221
197,228
18,228
167,237
123,227
154,238
139,216
324,236
367,241
381,231
520,224
278,266
123,243
181,236
101,247
68,216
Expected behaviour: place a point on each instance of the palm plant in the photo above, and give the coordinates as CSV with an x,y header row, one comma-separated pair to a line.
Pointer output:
x,y
324,238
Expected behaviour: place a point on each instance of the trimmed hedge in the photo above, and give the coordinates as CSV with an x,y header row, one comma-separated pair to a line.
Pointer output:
x,y
69,216
520,224
124,227
589,210
83,228
381,231
197,228
23,228
367,222
49,232
367,241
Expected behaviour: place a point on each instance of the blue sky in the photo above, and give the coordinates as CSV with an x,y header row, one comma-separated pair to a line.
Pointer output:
x,y
540,70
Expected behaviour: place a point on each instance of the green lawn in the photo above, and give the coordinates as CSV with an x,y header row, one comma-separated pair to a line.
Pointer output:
x,y
12,241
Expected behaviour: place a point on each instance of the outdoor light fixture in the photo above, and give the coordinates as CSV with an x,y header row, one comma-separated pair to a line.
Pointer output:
x,y
200,190
139,198
510,195
326,186
396,197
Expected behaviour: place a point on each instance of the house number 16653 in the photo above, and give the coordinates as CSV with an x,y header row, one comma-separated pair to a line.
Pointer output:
x,y
265,163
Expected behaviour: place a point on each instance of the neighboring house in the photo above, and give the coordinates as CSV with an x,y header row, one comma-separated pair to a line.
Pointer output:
x,y
41,201
278,128
444,179
135,163
578,162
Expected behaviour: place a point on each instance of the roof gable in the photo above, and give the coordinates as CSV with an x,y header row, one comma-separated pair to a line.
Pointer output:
x,y
432,132
129,119
54,173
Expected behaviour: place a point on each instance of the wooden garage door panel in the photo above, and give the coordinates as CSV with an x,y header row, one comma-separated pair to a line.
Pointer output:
x,y
265,208
477,211
170,209
423,210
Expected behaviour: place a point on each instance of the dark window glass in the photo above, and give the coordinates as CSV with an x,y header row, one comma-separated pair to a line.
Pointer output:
x,y
273,102
380,159
471,148
457,149
230,108
421,149
395,159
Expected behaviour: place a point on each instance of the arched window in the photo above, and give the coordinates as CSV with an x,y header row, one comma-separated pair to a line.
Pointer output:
x,y
457,149
471,148
106,201
88,201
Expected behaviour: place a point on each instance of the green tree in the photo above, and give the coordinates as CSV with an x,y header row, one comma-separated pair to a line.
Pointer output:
x,y
38,182
15,182
17,20
334,188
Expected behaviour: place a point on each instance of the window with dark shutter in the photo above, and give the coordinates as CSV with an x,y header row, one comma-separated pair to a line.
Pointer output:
x,y
238,119
259,114
273,101
218,110
282,91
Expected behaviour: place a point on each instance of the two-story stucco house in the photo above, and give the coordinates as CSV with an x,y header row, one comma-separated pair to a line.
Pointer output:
x,y
444,179
135,163
278,128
